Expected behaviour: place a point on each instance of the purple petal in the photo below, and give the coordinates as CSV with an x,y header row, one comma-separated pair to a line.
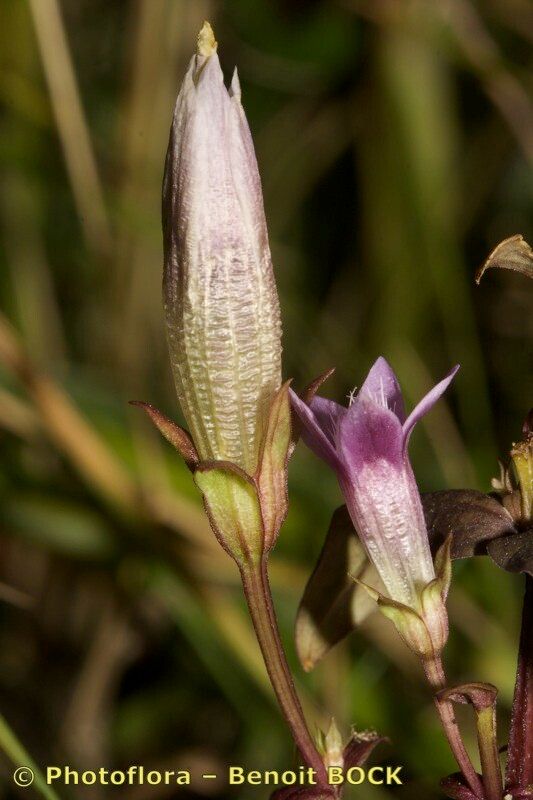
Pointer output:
x,y
370,432
383,499
313,434
427,403
328,415
381,386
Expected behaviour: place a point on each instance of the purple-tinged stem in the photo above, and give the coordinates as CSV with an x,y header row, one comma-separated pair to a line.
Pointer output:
x,y
259,599
435,674
519,773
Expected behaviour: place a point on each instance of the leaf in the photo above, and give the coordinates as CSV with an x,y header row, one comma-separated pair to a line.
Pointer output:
x,y
453,786
479,695
333,604
470,517
172,432
513,253
272,472
360,747
513,552
232,505
301,793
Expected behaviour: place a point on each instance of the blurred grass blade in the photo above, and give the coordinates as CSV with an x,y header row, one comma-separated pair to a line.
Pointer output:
x,y
71,123
412,234
16,752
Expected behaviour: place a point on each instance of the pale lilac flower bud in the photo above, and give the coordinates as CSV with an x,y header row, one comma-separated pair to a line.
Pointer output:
x,y
222,311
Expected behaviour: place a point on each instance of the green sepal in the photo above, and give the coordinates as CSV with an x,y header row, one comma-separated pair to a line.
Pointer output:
x,y
172,432
409,625
433,598
307,395
408,622
522,457
333,746
443,567
232,505
271,475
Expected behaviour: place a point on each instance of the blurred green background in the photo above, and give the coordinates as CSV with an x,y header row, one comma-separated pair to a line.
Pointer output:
x,y
395,143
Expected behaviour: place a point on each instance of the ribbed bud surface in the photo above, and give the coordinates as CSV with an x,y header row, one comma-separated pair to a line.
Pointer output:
x,y
221,305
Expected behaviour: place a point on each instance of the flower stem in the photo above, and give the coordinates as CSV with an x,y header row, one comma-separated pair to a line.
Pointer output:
x,y
259,599
488,751
437,679
520,751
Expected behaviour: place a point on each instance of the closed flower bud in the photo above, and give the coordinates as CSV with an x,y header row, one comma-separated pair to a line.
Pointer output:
x,y
221,305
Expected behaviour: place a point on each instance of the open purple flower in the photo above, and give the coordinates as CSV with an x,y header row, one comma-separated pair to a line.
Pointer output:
x,y
366,444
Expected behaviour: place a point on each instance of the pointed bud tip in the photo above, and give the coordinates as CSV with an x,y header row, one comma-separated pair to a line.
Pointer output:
x,y
207,44
235,87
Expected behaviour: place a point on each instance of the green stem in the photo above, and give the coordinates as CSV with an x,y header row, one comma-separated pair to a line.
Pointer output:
x,y
259,599
435,674
488,751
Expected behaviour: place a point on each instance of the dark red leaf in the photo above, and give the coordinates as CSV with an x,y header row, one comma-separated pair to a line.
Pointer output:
x,y
301,793
480,695
472,519
360,747
453,786
513,552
